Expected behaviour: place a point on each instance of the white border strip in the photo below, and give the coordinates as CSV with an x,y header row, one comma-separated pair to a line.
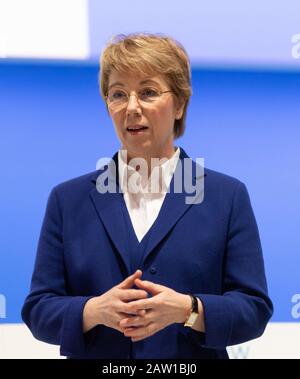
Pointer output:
x,y
280,340
48,29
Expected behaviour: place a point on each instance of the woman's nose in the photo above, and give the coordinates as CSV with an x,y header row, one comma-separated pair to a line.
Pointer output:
x,y
133,105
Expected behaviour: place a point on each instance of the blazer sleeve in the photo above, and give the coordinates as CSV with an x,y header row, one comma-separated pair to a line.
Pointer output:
x,y
242,311
48,311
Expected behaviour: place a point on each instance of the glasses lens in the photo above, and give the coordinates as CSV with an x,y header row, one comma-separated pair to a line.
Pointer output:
x,y
117,96
149,94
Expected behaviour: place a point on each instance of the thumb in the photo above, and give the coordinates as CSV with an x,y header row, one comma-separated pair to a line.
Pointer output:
x,y
129,281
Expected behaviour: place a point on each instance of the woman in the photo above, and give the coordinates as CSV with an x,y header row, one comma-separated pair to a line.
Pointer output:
x,y
140,273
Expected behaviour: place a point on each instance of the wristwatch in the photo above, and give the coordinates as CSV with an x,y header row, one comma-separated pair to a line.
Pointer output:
x,y
194,312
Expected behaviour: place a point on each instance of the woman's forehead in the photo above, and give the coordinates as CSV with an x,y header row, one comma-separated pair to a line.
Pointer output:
x,y
135,79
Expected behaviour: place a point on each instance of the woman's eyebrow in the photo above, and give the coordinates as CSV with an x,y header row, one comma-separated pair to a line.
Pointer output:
x,y
149,81
146,81
116,84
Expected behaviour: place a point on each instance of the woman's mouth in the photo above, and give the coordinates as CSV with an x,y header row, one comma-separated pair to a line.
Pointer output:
x,y
136,129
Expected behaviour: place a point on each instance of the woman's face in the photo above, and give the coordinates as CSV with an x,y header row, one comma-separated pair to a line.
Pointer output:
x,y
158,116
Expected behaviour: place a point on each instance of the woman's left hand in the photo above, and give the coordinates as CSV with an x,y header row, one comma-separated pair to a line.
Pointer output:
x,y
164,308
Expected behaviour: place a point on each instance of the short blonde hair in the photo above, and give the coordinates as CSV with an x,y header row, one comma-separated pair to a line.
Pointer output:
x,y
146,54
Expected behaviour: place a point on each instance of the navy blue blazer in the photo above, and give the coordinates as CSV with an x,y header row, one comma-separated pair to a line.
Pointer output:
x,y
211,249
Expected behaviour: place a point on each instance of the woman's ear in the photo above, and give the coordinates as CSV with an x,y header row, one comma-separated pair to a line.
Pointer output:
x,y
180,103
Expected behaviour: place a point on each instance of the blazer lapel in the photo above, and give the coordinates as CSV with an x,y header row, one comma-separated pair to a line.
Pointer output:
x,y
175,204
109,208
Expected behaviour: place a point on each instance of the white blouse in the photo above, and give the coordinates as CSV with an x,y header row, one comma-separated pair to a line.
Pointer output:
x,y
144,197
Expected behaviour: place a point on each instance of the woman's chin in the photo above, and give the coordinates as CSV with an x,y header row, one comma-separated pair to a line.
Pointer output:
x,y
136,149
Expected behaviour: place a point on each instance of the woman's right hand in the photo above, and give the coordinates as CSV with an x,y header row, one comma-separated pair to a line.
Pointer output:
x,y
110,308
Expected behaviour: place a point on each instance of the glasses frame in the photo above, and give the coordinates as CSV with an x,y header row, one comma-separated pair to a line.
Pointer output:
x,y
160,93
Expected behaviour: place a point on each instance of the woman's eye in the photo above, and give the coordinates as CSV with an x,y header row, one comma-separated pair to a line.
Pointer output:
x,y
118,95
149,92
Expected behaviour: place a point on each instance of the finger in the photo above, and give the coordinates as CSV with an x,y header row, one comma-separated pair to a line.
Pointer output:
x,y
123,315
129,281
132,323
140,319
128,331
118,327
121,318
145,331
126,309
153,288
132,294
135,321
141,313
139,305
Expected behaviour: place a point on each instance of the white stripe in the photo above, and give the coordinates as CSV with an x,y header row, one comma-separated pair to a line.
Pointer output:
x,y
45,29
280,340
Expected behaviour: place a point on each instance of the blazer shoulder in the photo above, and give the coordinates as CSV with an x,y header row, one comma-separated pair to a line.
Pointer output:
x,y
221,178
224,190
79,183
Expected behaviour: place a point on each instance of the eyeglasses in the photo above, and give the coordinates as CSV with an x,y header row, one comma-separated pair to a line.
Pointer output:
x,y
146,95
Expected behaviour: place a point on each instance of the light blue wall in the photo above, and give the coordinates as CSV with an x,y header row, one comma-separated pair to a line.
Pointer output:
x,y
232,32
54,126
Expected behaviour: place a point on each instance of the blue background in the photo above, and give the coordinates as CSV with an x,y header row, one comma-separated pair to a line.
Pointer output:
x,y
54,126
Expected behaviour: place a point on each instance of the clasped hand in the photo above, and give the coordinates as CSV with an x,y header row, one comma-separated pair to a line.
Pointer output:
x,y
151,314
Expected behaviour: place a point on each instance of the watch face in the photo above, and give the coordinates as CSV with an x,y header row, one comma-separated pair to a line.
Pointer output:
x,y
192,319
